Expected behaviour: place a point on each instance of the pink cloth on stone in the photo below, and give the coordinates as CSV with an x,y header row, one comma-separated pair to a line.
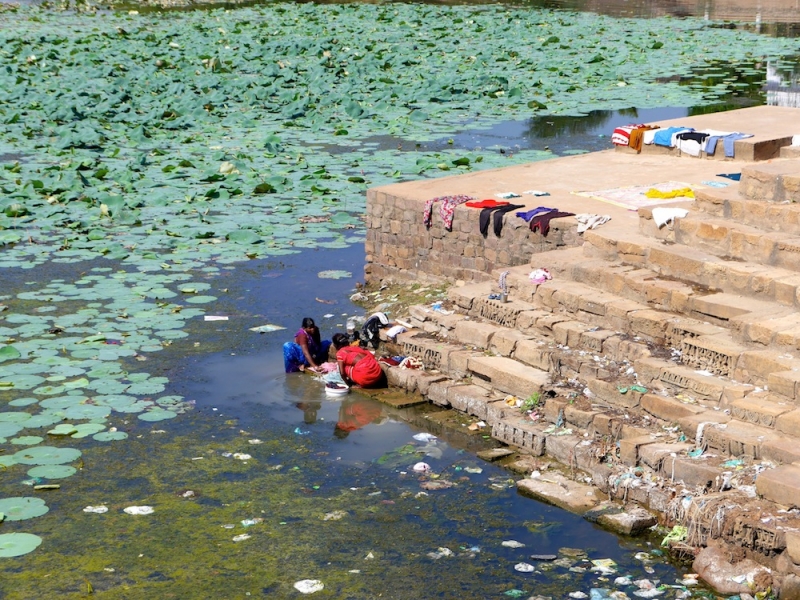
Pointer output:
x,y
446,209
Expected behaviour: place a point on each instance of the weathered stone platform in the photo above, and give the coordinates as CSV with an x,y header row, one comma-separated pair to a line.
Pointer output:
x,y
661,364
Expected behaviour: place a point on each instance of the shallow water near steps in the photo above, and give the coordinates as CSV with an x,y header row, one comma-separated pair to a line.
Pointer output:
x,y
344,509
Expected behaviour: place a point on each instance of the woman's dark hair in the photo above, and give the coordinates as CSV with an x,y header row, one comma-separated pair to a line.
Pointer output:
x,y
308,322
340,340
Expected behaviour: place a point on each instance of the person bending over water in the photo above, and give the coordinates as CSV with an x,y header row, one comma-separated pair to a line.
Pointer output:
x,y
356,365
307,351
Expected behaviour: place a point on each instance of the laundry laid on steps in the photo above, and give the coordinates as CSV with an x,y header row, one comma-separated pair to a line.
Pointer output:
x,y
680,193
489,203
731,176
664,214
496,215
588,221
694,142
541,222
447,206
528,215
630,135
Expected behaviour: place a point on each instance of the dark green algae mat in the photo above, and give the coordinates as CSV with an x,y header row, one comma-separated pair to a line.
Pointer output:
x,y
149,153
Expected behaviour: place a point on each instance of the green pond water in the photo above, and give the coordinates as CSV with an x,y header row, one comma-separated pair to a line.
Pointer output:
x,y
160,169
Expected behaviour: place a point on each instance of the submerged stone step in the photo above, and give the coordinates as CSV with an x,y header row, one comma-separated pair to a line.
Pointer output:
x,y
560,491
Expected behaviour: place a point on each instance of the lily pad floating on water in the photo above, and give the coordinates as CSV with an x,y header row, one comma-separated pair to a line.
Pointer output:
x,y
23,402
62,429
18,543
52,471
157,415
27,440
22,508
9,353
46,455
334,274
86,429
200,299
110,436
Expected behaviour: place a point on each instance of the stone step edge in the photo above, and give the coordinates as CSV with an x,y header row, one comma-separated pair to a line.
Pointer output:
x,y
694,389
702,346
682,392
764,327
727,239
696,267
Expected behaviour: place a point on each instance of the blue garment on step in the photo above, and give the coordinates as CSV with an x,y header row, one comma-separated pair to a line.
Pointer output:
x,y
663,137
727,142
527,216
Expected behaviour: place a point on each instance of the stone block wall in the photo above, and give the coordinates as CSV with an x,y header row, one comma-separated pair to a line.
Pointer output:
x,y
399,246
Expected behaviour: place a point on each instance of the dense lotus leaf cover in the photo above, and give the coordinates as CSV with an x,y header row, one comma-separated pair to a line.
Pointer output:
x,y
166,142
157,138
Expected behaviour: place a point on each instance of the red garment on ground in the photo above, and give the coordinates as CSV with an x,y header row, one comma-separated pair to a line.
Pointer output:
x,y
489,203
360,365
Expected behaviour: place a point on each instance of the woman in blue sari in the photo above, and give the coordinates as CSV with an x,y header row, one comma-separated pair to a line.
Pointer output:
x,y
307,351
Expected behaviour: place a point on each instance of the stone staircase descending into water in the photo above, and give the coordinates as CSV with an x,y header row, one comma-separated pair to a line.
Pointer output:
x,y
646,348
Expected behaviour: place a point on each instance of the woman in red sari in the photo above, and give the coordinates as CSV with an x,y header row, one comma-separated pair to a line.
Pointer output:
x,y
356,365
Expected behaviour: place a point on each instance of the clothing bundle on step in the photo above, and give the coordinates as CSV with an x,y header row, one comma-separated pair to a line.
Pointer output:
x,y
630,135
496,214
541,221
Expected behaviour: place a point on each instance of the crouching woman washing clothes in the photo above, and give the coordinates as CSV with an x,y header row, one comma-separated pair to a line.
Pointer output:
x,y
307,351
357,365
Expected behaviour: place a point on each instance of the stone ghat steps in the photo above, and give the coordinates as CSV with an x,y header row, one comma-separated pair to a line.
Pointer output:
x,y
643,440
694,267
726,239
778,181
640,302
548,338
728,203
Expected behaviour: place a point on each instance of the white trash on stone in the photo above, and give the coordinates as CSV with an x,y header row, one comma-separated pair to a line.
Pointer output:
x,y
139,510
309,586
524,567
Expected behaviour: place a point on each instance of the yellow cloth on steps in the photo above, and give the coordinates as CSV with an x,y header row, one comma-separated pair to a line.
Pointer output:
x,y
683,192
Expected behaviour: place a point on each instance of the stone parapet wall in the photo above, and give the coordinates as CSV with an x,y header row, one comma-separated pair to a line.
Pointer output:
x,y
399,246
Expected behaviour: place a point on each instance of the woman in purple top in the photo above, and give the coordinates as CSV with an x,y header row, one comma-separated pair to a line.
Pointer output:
x,y
307,350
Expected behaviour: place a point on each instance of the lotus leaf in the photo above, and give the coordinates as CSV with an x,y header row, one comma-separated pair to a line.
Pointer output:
x,y
87,411
9,353
52,471
14,417
21,508
18,544
27,440
110,436
157,415
63,429
86,429
46,455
